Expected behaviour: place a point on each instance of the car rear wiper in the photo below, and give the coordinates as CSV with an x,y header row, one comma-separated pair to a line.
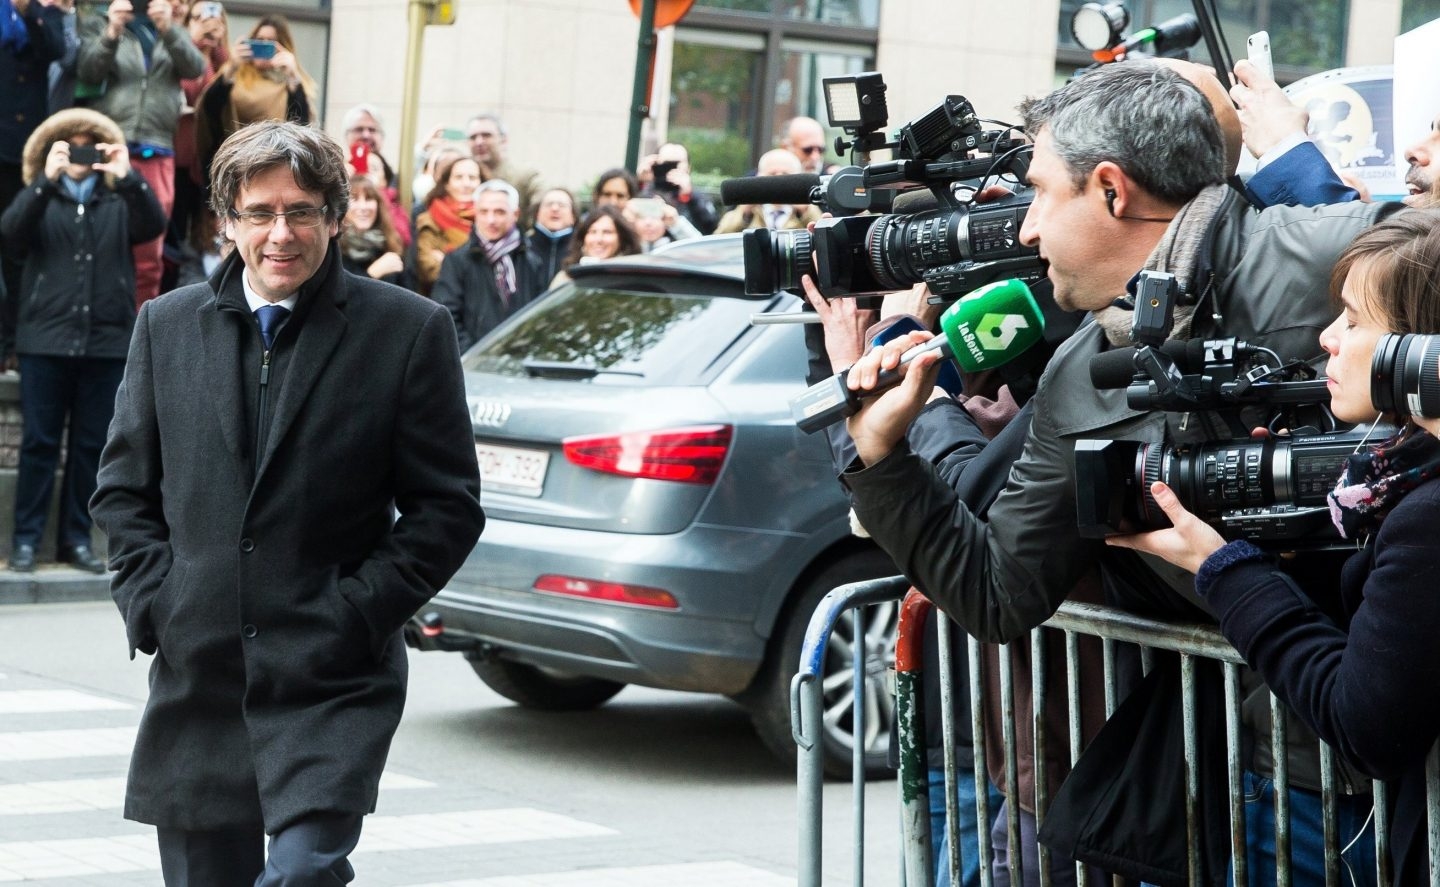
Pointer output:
x,y
559,369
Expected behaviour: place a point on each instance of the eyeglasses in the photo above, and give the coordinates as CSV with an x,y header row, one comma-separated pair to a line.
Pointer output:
x,y
305,217
813,149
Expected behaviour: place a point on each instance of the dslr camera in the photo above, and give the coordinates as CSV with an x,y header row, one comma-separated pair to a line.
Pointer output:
x,y
941,161
1271,491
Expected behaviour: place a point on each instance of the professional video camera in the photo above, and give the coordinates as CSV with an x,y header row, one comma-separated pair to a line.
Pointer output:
x,y
947,240
1269,490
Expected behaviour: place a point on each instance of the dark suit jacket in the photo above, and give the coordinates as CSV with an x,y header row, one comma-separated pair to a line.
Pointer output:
x,y
272,583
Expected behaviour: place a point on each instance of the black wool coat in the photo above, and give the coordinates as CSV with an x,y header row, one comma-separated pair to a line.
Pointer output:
x,y
77,295
466,287
271,583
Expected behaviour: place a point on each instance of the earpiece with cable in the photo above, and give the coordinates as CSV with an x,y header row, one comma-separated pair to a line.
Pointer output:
x,y
1110,204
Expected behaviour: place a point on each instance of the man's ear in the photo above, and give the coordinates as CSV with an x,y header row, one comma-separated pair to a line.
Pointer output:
x,y
1107,176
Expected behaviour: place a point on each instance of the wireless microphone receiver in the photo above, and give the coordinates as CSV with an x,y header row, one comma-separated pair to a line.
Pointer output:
x,y
991,326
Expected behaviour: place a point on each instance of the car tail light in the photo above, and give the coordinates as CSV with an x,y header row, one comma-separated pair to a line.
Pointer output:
x,y
689,455
613,592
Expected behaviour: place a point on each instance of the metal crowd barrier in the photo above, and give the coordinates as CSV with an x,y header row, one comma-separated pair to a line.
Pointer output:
x,y
1113,627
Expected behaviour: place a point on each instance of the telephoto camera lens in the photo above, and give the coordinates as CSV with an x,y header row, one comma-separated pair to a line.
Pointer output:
x,y
1266,490
901,248
1405,375
775,260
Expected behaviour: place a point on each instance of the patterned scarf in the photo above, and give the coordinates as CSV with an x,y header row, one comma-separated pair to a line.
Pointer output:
x,y
362,247
13,34
1378,476
497,253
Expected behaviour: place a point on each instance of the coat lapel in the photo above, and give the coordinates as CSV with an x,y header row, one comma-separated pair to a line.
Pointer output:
x,y
220,349
320,333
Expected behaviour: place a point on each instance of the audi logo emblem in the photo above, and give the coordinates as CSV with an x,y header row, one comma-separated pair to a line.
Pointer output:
x,y
489,413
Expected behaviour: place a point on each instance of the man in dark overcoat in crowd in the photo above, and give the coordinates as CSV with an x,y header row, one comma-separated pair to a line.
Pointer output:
x,y
281,490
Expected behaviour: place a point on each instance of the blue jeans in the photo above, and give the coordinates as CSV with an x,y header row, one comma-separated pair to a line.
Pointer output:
x,y
965,828
1307,836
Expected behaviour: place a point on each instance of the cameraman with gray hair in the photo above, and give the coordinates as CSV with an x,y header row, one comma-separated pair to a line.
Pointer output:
x,y
1129,171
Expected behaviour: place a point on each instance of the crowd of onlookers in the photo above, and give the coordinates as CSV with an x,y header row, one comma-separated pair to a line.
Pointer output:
x,y
110,116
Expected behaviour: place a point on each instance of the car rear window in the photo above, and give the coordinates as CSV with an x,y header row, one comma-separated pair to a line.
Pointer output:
x,y
616,336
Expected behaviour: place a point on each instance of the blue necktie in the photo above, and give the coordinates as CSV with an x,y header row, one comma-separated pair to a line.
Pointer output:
x,y
270,318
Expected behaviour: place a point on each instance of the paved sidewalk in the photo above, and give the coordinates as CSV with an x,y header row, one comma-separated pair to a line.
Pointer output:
x,y
52,584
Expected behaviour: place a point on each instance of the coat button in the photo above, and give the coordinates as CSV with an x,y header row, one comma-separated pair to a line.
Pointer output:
x,y
249,631
247,546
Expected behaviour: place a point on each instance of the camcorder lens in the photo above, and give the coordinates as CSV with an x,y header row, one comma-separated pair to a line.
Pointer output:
x,y
902,248
775,260
1272,490
1405,375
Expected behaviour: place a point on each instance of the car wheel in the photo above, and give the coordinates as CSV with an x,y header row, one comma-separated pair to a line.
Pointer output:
x,y
769,702
543,689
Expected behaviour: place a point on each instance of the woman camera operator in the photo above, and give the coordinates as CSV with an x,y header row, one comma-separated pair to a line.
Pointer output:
x,y
1362,670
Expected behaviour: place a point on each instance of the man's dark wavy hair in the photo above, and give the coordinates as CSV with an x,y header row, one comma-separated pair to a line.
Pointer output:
x,y
313,158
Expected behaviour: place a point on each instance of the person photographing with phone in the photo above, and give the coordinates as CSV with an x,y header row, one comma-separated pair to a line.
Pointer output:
x,y
666,174
1359,668
73,224
135,57
262,81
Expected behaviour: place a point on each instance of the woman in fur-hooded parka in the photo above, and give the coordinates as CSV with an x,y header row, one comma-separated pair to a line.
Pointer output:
x,y
77,296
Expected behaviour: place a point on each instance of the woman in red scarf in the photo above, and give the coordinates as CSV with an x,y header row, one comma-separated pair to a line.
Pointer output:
x,y
447,220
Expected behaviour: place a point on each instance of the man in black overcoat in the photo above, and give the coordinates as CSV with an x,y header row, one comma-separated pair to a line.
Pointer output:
x,y
281,490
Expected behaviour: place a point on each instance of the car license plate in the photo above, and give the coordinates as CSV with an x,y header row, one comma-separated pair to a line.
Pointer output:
x,y
512,469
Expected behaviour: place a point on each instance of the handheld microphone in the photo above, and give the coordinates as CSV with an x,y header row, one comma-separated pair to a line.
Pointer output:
x,y
787,190
991,326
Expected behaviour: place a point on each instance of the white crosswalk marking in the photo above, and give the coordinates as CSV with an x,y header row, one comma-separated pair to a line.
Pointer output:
x,y
74,795
61,796
62,788
24,702
425,831
38,860
692,874
45,745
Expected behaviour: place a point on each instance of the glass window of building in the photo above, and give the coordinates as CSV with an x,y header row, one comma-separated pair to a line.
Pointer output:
x,y
851,13
1306,36
714,99
1414,13
799,91
742,68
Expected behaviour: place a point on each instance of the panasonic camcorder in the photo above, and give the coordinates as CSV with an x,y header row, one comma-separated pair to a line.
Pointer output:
x,y
1270,490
